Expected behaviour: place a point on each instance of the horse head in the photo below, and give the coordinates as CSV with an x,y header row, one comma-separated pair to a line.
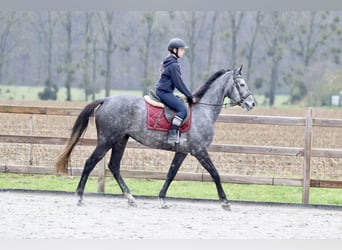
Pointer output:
x,y
240,93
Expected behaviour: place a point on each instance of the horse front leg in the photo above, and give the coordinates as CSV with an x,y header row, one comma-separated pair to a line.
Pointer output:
x,y
175,165
204,159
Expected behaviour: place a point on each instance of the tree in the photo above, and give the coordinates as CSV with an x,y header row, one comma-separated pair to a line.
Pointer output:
x,y
106,22
275,34
89,57
50,90
212,35
319,35
68,67
332,86
148,18
231,32
235,24
282,52
193,23
249,52
7,20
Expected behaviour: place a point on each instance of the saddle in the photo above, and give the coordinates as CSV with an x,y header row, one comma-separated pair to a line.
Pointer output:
x,y
160,116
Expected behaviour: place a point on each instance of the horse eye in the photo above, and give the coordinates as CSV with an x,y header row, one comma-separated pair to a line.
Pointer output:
x,y
242,85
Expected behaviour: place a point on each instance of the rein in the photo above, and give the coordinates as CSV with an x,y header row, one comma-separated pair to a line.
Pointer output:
x,y
217,105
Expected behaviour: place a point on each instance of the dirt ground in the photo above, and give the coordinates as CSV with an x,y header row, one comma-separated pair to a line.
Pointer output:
x,y
28,215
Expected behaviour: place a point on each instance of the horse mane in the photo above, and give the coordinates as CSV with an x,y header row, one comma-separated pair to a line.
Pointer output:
x,y
199,93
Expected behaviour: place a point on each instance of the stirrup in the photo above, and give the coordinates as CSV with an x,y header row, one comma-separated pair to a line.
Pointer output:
x,y
173,136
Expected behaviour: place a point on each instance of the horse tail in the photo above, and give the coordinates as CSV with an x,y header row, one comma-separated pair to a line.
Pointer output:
x,y
77,131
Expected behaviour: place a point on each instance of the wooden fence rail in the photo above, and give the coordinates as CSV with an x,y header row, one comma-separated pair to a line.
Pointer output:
x,y
307,151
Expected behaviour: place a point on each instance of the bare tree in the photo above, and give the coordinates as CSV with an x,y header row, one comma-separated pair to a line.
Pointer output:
x,y
234,19
46,32
193,23
89,57
318,37
94,68
68,68
106,23
7,20
275,36
148,18
251,44
282,50
212,35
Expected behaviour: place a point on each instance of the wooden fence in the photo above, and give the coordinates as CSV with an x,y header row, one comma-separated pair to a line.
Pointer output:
x,y
307,151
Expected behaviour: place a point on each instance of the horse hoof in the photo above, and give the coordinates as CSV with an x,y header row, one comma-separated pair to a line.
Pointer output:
x,y
131,200
79,203
163,206
225,205
132,203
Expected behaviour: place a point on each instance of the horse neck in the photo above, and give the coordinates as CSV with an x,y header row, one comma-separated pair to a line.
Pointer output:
x,y
216,94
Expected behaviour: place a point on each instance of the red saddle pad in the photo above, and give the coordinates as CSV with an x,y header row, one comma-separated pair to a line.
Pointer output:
x,y
156,119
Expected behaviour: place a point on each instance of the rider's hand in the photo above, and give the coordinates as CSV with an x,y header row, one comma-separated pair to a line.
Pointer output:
x,y
192,101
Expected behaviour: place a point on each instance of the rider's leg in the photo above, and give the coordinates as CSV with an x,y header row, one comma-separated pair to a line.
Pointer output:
x,y
173,136
176,104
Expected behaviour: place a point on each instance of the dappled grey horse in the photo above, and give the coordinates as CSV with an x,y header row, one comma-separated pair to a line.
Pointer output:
x,y
120,117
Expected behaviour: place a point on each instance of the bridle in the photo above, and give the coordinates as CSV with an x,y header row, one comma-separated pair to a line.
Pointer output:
x,y
231,104
242,96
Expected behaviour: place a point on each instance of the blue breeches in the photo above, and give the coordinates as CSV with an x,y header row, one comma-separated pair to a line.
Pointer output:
x,y
173,102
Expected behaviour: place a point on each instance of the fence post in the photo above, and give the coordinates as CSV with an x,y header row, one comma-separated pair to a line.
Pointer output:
x,y
101,175
31,146
307,155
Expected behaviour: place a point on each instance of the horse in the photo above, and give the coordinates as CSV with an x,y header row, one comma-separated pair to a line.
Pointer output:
x,y
120,117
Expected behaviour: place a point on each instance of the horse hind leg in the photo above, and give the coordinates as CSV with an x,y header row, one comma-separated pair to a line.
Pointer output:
x,y
91,162
114,166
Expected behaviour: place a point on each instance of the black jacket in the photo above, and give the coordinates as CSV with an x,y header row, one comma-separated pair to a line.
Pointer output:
x,y
171,77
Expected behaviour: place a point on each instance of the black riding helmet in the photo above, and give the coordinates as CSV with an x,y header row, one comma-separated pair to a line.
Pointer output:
x,y
176,43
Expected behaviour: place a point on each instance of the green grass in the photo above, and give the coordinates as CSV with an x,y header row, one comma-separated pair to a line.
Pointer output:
x,y
30,93
179,189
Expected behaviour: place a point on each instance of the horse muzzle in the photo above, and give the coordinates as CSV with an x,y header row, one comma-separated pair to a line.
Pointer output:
x,y
248,103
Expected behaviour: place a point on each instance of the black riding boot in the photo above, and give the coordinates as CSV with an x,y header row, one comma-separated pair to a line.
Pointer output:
x,y
173,134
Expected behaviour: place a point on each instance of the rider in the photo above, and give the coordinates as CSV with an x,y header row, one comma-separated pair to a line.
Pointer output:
x,y
170,80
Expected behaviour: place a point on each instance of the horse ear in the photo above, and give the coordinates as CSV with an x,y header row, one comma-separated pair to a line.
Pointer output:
x,y
240,70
